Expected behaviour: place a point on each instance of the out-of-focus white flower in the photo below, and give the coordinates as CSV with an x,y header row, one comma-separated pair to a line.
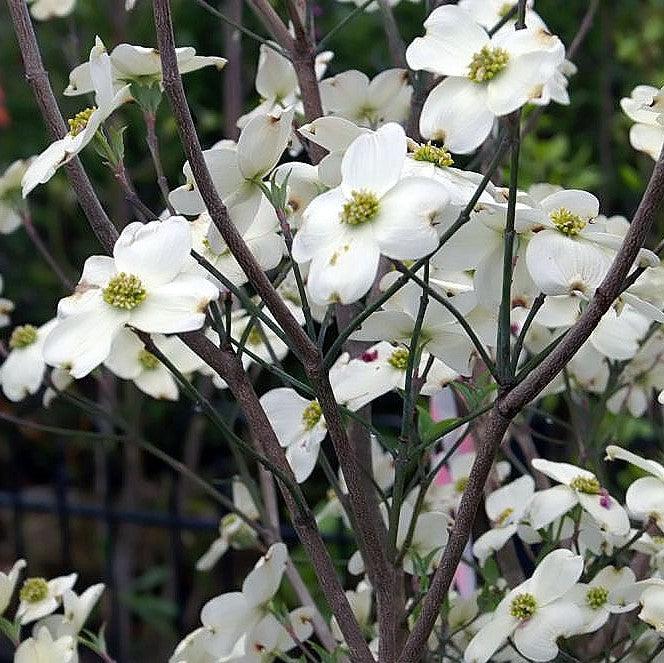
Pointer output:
x,y
84,125
262,237
534,614
130,360
43,10
578,486
233,531
231,615
237,171
505,508
40,597
360,599
10,196
22,372
276,82
486,77
150,283
6,306
368,103
603,596
645,497
43,648
129,63
647,132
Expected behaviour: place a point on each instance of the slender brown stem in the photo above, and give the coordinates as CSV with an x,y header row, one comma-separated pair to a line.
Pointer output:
x,y
153,145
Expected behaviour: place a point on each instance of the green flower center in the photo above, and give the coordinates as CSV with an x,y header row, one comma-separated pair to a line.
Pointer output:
x,y
503,516
80,121
147,360
588,485
124,291
438,156
487,64
311,415
34,590
523,606
255,338
597,597
362,207
399,359
461,484
505,9
23,336
567,222
659,540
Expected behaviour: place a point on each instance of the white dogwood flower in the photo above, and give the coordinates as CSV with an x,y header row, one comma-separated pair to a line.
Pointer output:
x,y
578,486
141,64
233,531
650,595
76,610
83,126
486,77
43,10
234,614
149,284
130,360
261,237
603,596
645,497
373,212
351,95
236,171
534,614
44,649
22,372
40,597
10,196
6,306
647,132
505,508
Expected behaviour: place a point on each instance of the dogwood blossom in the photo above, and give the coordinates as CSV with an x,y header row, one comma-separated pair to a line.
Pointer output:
x,y
40,597
44,648
351,95
10,196
43,10
149,284
486,77
231,615
22,372
534,614
647,132
129,63
8,584
84,125
578,486
345,230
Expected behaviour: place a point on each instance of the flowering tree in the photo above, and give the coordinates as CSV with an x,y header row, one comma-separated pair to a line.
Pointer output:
x,y
374,264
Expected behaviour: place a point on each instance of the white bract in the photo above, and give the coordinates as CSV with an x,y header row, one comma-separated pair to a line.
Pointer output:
x,y
22,372
43,10
373,212
578,486
42,648
486,77
11,205
351,95
8,584
534,614
150,284
647,132
645,497
234,614
84,125
129,64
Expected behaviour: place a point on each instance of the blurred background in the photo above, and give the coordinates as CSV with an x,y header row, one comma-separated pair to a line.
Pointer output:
x,y
104,508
